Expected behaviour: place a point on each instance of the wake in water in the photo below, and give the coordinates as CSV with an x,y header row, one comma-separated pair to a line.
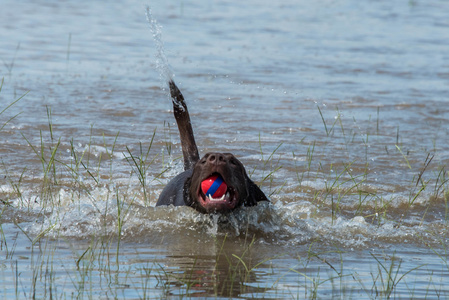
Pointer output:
x,y
97,210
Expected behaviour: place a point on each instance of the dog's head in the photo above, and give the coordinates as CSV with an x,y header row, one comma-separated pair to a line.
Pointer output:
x,y
240,189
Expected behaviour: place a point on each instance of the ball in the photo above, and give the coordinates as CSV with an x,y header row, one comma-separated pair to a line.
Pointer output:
x,y
214,186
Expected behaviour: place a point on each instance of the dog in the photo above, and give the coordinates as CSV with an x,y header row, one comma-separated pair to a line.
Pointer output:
x,y
216,183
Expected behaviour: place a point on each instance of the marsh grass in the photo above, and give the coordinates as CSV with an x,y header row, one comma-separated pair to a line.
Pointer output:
x,y
388,277
100,265
9,66
343,181
270,165
8,106
141,164
15,186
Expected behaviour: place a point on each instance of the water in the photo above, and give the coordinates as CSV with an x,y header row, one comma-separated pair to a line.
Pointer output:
x,y
337,108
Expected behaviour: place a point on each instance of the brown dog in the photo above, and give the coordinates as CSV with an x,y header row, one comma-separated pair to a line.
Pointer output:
x,y
190,187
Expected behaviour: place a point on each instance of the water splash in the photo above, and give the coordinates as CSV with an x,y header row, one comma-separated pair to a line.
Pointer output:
x,y
162,64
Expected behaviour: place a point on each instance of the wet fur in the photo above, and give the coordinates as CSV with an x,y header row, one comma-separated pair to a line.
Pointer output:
x,y
185,188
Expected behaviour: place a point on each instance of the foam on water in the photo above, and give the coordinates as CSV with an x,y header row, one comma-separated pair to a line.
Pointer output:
x,y
289,224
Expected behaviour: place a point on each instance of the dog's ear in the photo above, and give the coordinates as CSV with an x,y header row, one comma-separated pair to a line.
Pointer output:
x,y
255,194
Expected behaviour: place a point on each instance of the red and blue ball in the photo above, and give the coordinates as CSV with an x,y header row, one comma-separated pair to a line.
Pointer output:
x,y
214,186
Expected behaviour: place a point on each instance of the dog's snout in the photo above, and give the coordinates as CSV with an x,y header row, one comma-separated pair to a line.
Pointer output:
x,y
216,158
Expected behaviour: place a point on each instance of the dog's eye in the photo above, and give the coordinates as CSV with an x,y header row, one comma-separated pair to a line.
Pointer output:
x,y
232,162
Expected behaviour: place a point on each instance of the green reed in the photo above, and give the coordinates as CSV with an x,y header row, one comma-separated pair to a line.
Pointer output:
x,y
8,106
9,66
388,276
270,165
141,164
47,155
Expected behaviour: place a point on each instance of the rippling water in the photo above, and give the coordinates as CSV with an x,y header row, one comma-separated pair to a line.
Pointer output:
x,y
337,108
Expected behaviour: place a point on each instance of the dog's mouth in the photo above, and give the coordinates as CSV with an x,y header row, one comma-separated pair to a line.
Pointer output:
x,y
215,195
